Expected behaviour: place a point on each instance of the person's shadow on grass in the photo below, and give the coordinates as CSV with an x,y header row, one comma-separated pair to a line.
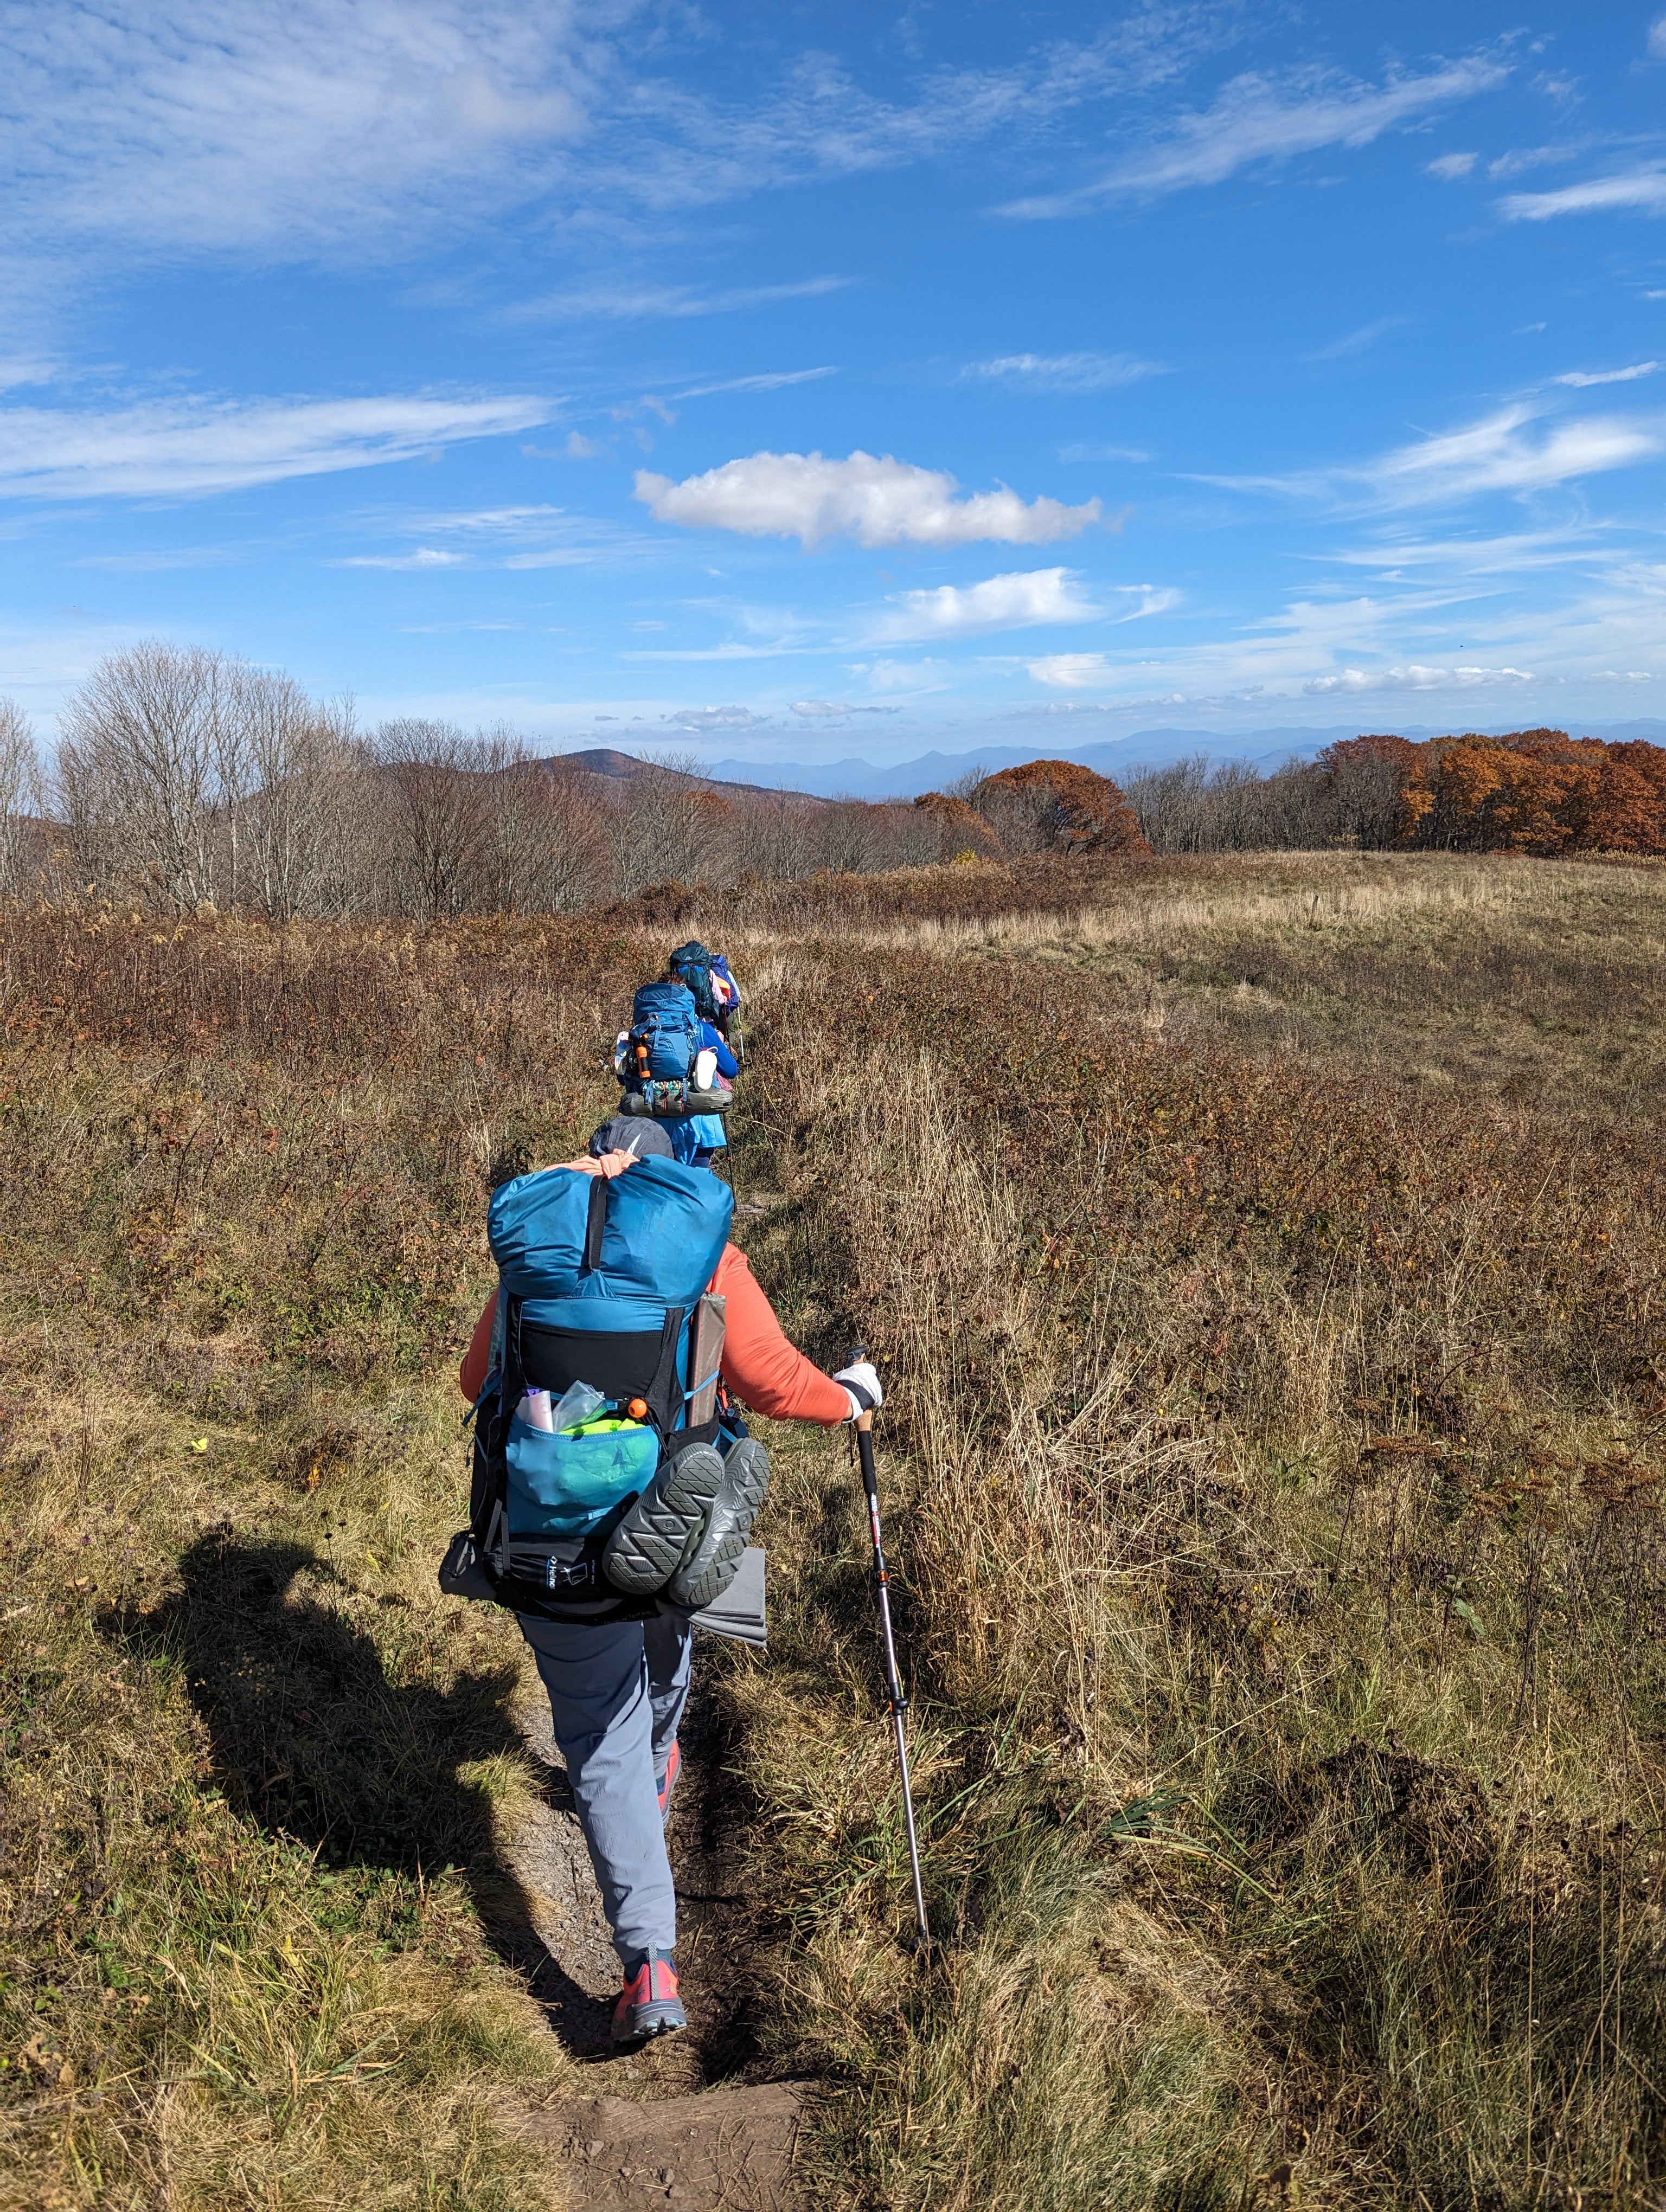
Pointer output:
x,y
310,1737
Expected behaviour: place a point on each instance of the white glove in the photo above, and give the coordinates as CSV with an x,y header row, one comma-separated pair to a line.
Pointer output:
x,y
861,1386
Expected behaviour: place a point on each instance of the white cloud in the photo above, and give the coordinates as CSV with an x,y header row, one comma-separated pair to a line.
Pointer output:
x,y
1513,450
878,501
1642,189
1657,39
699,721
768,380
1065,372
1350,682
1104,453
835,710
493,522
1020,601
185,447
1360,340
1580,378
226,124
528,536
348,129
1451,168
1071,671
1507,452
1257,120
425,556
676,301
1520,159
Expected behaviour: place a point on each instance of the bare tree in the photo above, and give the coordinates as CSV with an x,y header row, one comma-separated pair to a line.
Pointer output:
x,y
1170,805
566,855
442,820
139,772
667,825
299,769
20,797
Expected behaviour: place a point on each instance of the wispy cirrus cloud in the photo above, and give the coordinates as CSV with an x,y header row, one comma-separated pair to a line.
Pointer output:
x,y
674,302
1517,449
1063,371
224,123
1582,379
1641,191
521,537
192,448
1359,341
875,499
836,710
1260,118
192,127
765,380
425,556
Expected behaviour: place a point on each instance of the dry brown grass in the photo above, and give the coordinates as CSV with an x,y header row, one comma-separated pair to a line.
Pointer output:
x,y
1272,1464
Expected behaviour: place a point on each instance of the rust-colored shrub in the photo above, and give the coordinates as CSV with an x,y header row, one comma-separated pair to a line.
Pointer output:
x,y
1072,809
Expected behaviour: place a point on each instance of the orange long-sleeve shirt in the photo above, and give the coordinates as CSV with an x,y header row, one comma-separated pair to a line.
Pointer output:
x,y
764,1371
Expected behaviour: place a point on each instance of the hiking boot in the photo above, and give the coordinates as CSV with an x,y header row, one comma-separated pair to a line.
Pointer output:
x,y
668,1779
646,1548
650,2005
707,1569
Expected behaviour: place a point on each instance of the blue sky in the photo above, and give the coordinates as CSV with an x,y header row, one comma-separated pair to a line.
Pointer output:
x,y
798,381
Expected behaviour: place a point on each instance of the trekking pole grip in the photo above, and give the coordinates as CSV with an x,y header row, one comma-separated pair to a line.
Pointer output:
x,y
863,1424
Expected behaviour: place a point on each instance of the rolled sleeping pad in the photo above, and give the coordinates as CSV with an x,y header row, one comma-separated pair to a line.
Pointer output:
x,y
670,1102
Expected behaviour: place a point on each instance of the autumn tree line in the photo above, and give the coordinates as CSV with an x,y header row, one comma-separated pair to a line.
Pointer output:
x,y
188,781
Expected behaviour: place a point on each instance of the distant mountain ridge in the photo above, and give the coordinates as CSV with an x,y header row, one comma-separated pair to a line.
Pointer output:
x,y
1264,749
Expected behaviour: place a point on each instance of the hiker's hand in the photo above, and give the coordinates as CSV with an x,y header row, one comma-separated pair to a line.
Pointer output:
x,y
860,1380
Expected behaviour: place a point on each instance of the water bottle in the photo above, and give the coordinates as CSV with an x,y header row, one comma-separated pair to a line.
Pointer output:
x,y
534,1408
705,1069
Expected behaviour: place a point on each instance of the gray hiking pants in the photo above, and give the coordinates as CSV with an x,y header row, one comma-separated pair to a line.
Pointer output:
x,y
616,1698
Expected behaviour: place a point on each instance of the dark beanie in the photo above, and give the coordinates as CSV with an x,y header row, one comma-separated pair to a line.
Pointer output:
x,y
628,1133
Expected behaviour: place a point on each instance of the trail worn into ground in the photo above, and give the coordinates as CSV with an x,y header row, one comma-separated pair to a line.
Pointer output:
x,y
690,2120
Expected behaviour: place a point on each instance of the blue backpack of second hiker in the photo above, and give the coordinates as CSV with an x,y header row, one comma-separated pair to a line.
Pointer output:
x,y
598,1281
665,1035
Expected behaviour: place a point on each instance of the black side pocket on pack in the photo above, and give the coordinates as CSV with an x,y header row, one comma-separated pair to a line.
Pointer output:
x,y
462,1574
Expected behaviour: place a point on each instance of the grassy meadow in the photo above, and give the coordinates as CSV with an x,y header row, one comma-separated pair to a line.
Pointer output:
x,y
1264,1258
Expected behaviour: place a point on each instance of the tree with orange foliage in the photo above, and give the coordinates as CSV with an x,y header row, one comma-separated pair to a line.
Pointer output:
x,y
1536,790
964,829
1069,808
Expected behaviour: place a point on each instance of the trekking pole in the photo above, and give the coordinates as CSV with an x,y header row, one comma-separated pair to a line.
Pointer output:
x,y
894,1697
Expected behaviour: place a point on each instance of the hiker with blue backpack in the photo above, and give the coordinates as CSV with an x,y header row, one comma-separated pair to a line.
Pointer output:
x,y
615,1487
674,1057
716,998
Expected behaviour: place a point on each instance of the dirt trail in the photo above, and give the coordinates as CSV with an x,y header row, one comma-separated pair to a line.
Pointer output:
x,y
660,2130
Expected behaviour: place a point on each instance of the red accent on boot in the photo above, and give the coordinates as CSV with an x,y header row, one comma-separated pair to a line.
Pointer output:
x,y
650,2004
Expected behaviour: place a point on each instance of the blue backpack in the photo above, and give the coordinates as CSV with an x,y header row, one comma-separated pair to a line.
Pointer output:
x,y
665,1035
598,1281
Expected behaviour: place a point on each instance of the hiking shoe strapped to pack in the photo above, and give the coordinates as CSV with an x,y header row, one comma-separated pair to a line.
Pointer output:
x,y
665,1524
650,2005
706,1569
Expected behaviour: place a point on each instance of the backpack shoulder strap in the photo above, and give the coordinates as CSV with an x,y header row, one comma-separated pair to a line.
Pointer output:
x,y
595,1223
